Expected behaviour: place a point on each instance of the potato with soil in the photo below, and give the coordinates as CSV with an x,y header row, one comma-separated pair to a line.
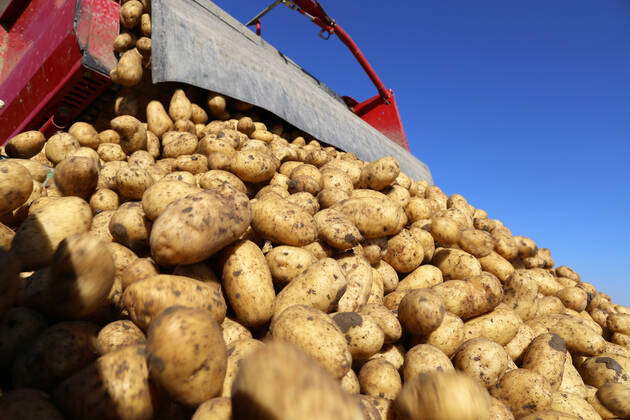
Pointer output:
x,y
422,277
443,396
130,227
132,182
379,378
159,195
197,226
523,391
374,217
133,133
118,334
359,277
282,222
288,262
424,358
386,320
104,200
128,72
308,328
521,294
619,323
481,359
546,355
282,366
616,398
248,284
122,376
193,371
336,229
456,264
499,325
16,186
380,174
497,265
39,235
236,352
404,252
76,176
58,352
421,311
253,165
362,332
598,370
60,146
448,336
25,145
578,336
571,404
214,178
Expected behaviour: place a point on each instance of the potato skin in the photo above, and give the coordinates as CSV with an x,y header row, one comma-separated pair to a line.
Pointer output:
x,y
282,222
379,378
159,195
236,352
248,285
25,145
374,217
118,334
280,365
58,352
306,328
499,325
145,299
523,391
129,227
404,252
180,234
39,235
362,333
443,396
420,312
482,359
16,186
616,398
456,264
219,408
448,336
336,229
386,320
424,358
190,376
546,355
122,375
287,262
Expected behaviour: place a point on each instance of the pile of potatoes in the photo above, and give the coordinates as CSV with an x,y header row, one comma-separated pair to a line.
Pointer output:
x,y
191,257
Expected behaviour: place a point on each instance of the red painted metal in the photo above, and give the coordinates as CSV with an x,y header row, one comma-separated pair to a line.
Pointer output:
x,y
380,111
54,60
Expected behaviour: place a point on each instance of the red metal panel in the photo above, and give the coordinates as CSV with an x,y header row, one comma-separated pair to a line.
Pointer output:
x,y
381,115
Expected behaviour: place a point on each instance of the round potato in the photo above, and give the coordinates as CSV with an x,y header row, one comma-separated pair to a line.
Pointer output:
x,y
404,252
374,217
132,182
76,175
456,264
219,408
118,334
25,145
16,186
420,312
287,262
130,227
379,378
448,336
424,358
481,359
60,146
362,333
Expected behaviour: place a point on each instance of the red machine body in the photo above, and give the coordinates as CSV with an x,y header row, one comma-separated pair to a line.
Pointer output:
x,y
55,58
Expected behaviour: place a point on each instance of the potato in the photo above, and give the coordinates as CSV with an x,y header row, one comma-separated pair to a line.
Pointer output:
x,y
280,221
146,298
124,41
307,327
133,133
462,298
476,242
577,336
573,298
137,270
287,262
546,355
499,411
214,178
18,328
422,277
39,235
28,403
58,352
100,225
130,227
248,285
574,405
497,265
362,333
195,164
85,134
442,396
481,359
499,325
60,146
374,217
159,195
6,237
236,352
233,331
104,200
523,391
358,275
219,408
619,323
379,378
76,176
39,172
132,182
549,415
350,383
281,365
25,145
211,219
456,264
253,165
16,185
389,276
420,312
571,379
386,320
521,292
616,398
424,358
404,252
193,371
380,174
524,336
82,275
336,229
107,175
128,71
596,371
118,334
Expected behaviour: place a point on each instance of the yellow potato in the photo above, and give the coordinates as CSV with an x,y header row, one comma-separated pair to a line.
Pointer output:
x,y
456,264
287,262
60,146
482,359
16,186
546,355
159,195
285,223
379,378
374,217
104,200
118,334
500,325
25,145
422,359
616,398
422,277
421,311
76,176
362,332
133,133
404,252
236,352
336,229
129,227
85,134
523,391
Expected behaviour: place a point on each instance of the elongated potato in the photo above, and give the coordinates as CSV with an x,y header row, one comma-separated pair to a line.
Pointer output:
x,y
374,217
422,277
499,325
248,285
386,320
280,365
616,398
128,72
546,355
336,229
359,279
283,222
193,371
307,327
523,391
39,235
145,299
197,226
25,145
456,264
574,405
236,352
159,195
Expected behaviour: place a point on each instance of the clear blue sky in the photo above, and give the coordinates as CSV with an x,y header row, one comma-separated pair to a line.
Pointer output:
x,y
522,107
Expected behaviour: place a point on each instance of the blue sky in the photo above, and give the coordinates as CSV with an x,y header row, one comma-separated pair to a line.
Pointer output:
x,y
522,107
